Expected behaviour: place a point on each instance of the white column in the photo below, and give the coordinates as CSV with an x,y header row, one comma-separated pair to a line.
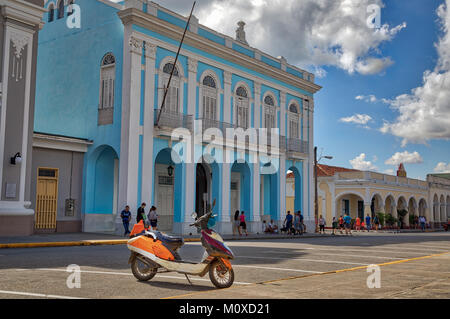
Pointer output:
x,y
256,184
311,161
129,147
257,113
227,98
282,186
147,151
191,165
283,113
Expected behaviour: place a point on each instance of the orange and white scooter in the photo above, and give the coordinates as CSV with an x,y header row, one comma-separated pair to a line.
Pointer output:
x,y
153,252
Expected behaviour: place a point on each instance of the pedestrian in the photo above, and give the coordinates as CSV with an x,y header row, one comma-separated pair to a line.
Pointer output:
x,y
302,226
126,218
335,226
358,224
376,221
141,213
153,218
422,221
348,224
288,223
341,224
368,220
243,224
297,225
416,222
322,223
236,223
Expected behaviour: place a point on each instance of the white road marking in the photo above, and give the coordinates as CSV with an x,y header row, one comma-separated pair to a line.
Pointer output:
x,y
328,254
305,259
129,274
283,269
36,295
384,250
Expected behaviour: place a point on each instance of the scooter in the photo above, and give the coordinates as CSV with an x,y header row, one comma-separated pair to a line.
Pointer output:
x,y
154,252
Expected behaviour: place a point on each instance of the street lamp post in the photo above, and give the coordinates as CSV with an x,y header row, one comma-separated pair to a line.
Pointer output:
x,y
316,200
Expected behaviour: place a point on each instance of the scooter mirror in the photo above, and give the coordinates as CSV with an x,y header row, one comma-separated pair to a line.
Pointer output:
x,y
194,215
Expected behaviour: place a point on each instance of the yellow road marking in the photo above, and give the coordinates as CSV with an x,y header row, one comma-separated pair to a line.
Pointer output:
x,y
313,275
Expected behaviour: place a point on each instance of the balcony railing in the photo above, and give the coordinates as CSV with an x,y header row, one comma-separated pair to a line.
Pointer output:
x,y
173,119
298,146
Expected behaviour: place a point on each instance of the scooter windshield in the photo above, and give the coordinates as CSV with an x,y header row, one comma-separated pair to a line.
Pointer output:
x,y
211,222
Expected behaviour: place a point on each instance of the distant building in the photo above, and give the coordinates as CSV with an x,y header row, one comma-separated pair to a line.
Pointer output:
x,y
361,193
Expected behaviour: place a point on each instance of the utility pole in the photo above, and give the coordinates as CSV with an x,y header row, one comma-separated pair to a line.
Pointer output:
x,y
316,199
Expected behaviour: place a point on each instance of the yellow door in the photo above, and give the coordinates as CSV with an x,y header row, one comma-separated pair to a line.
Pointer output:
x,y
46,198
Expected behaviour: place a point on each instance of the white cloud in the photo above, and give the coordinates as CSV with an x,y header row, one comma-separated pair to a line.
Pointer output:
x,y
389,171
360,163
405,158
361,119
442,168
424,113
309,33
371,99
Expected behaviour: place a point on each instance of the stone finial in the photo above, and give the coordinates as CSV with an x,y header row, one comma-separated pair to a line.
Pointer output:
x,y
240,33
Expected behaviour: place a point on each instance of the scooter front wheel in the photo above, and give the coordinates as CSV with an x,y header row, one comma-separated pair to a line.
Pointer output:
x,y
221,276
142,271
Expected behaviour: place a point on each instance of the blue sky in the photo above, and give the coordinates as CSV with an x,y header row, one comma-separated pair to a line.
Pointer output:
x,y
413,52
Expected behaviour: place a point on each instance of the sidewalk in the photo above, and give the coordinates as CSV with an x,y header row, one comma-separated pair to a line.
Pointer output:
x,y
91,239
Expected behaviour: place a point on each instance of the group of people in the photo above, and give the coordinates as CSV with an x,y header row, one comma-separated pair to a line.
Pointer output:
x,y
293,224
152,217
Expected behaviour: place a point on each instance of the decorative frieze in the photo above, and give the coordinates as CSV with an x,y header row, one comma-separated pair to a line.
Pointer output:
x,y
192,65
227,77
136,45
19,41
150,50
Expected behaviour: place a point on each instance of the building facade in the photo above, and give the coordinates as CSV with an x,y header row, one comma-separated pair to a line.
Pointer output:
x,y
20,21
361,193
101,84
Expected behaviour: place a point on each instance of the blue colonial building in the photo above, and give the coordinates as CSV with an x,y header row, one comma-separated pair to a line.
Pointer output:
x,y
102,141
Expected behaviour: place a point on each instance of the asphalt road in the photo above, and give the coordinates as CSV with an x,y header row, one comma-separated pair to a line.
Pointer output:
x,y
412,265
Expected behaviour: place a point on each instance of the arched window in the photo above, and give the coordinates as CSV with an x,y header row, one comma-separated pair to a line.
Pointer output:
x,y
269,112
61,9
51,12
209,98
294,131
242,106
107,86
172,98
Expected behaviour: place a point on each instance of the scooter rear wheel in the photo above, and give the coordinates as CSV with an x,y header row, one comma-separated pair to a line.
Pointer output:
x,y
141,271
221,276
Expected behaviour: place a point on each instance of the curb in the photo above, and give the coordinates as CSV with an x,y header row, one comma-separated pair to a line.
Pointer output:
x,y
124,242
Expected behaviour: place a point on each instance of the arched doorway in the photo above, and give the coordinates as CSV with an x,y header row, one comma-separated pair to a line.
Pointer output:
x,y
423,208
168,186
443,217
351,204
412,213
402,208
269,191
202,188
376,205
240,189
435,209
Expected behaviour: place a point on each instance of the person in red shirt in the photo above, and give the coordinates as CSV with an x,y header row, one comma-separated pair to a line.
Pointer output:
x,y
358,224
243,224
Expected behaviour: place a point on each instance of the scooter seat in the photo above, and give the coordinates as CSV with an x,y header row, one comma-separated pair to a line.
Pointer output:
x,y
173,241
